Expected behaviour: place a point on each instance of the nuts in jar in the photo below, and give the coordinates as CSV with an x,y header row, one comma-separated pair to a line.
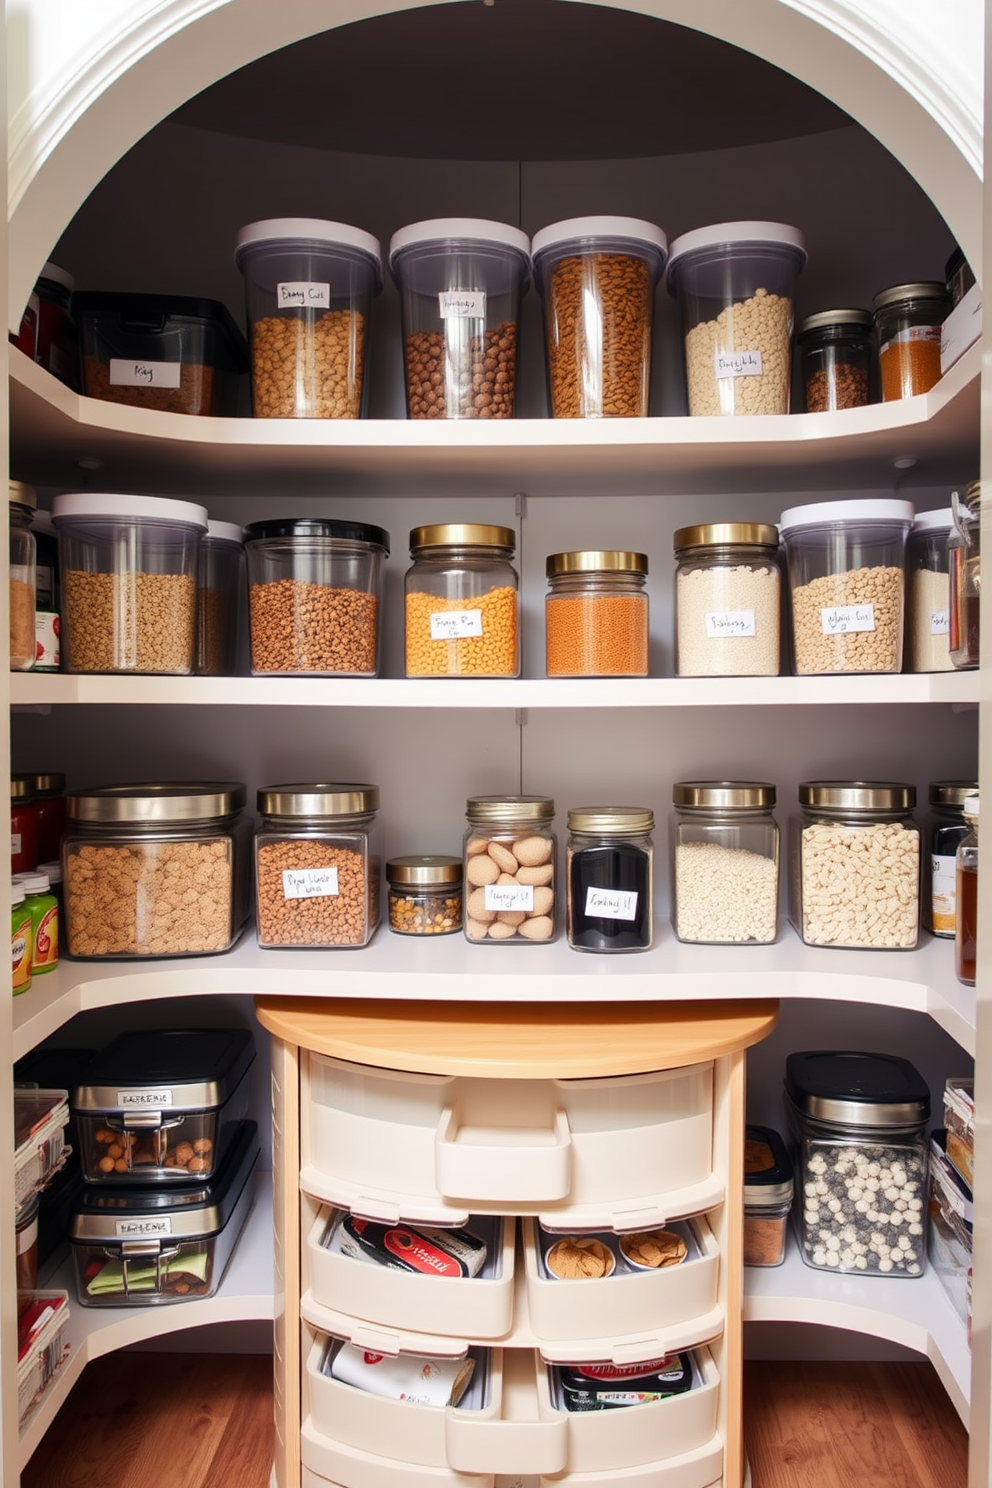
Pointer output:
x,y
510,868
425,895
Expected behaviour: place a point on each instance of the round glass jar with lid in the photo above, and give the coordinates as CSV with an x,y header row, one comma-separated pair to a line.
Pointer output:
x,y
318,865
966,919
964,564
928,592
858,1124
947,831
23,562
510,856
610,869
24,839
596,615
855,857
837,355
728,590
220,590
908,318
425,894
159,869
461,602
725,849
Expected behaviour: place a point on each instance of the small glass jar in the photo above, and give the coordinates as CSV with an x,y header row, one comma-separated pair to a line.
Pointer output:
x,y
966,919
837,354
24,852
948,828
318,865
928,592
768,1193
908,318
855,854
23,560
610,866
964,563
725,846
461,602
596,615
510,853
425,895
220,591
728,588
21,940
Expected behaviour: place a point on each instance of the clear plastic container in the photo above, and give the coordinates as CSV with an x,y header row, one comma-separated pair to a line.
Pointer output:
x,y
846,564
959,1118
725,848
56,345
947,830
610,866
927,577
837,354
128,582
22,578
768,1194
47,595
26,1245
460,283
966,907
908,318
42,1347
510,874
597,277
220,590
596,620
425,894
155,870
728,600
964,561
318,865
735,283
309,286
315,596
461,599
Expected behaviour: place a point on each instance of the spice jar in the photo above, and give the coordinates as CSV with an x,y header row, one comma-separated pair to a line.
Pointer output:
x,y
727,600
858,1122
21,944
461,602
510,868
24,852
23,559
220,588
966,905
156,869
725,846
596,615
425,895
964,563
837,353
948,830
318,862
855,853
768,1191
908,318
928,587
610,857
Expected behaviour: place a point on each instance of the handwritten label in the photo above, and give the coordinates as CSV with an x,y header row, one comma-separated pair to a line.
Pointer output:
x,y
844,619
510,896
144,374
729,623
309,883
737,363
143,1100
303,294
142,1229
462,304
611,904
940,622
451,625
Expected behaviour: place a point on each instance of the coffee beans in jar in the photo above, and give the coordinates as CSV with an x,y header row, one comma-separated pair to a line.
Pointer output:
x,y
425,894
837,354
509,861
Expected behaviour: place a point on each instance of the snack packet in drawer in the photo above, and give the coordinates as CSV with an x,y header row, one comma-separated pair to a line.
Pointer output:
x,y
401,1247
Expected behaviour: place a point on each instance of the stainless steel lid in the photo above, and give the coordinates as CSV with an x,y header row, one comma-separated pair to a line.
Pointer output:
x,y
923,289
21,787
157,802
857,795
430,868
726,534
858,320
597,561
857,1089
462,535
53,782
951,792
723,795
22,495
611,821
497,810
767,1169
322,799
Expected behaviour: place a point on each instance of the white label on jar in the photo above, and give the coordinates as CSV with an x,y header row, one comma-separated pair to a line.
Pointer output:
x,y
462,304
450,625
943,882
913,334
510,896
721,623
309,883
141,1229
124,373
940,622
15,843
611,904
844,619
143,1100
737,363
303,294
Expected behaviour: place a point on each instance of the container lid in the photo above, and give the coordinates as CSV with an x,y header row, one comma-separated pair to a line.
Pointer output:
x,y
726,534
585,231
857,1089
462,534
973,495
970,806
35,883
49,782
430,868
21,787
224,532
182,1069
320,799
597,561
924,289
733,234
933,521
723,795
857,795
610,821
317,527
859,320
57,276
951,792
119,507
157,802
53,869
274,230
767,1169
881,509
22,494
459,232
499,809
16,893
150,313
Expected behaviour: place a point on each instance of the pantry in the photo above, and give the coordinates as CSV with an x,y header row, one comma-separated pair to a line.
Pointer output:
x,y
160,211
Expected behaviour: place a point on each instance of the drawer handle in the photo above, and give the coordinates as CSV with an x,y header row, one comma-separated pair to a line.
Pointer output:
x,y
521,1164
488,1446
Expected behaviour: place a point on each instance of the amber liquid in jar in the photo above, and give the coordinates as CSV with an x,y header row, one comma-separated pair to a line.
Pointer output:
x,y
967,930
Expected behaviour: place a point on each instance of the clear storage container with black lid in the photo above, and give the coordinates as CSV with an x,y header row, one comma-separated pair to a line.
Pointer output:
x,y
151,1245
858,1122
163,1105
768,1192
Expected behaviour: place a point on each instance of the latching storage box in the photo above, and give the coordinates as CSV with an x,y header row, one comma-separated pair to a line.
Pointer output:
x,y
41,1344
40,1119
768,1191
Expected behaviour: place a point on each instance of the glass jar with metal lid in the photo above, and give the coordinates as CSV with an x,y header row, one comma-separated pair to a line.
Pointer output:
x,y
610,858
855,854
510,853
964,563
155,870
928,592
858,1125
49,810
461,602
24,853
725,847
947,830
318,864
727,600
908,318
837,352
596,615
23,561
425,894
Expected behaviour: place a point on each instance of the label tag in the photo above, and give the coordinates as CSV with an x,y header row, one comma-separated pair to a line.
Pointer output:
x,y
844,619
309,883
143,1100
451,625
462,304
943,877
142,1229
940,622
144,374
920,333
303,294
611,904
737,364
15,843
510,896
729,623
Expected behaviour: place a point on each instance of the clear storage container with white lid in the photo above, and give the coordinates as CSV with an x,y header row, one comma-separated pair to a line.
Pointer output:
x,y
597,277
128,569
220,600
460,281
928,592
735,284
309,286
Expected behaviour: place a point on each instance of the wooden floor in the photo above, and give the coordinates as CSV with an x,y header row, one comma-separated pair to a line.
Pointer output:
x,y
205,1421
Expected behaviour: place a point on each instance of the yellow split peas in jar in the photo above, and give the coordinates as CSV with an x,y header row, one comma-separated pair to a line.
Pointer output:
x,y
493,653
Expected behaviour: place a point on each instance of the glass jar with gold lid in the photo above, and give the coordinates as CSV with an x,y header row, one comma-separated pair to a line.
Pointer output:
x,y
425,894
727,600
510,852
461,602
596,615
